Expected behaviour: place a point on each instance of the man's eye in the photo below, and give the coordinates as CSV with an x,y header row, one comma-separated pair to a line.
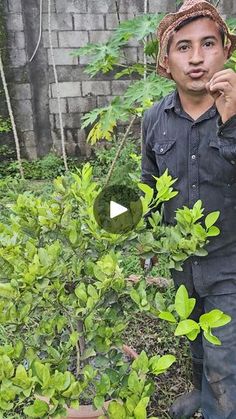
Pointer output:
x,y
209,43
183,48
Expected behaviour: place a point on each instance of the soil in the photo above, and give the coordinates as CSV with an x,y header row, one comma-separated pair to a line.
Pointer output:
x,y
157,337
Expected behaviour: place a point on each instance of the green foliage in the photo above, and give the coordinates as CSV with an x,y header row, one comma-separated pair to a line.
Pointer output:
x,y
231,63
5,125
128,167
183,307
176,242
64,304
141,94
105,56
134,394
48,167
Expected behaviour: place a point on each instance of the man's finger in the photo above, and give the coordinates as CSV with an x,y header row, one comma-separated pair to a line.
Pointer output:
x,y
223,86
226,72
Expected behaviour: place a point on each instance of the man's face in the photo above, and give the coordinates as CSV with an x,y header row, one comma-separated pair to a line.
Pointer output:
x,y
196,53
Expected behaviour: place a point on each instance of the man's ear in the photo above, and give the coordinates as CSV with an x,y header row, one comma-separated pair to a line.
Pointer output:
x,y
226,51
166,63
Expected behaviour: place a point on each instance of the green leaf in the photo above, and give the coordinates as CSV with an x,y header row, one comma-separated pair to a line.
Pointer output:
x,y
37,410
215,318
42,372
152,88
140,364
21,378
98,401
211,219
134,383
184,305
211,338
81,293
116,410
166,315
186,326
7,291
192,335
159,301
140,410
161,364
103,386
213,231
74,336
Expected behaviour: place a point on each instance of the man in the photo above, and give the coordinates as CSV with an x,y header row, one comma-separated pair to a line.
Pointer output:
x,y
192,132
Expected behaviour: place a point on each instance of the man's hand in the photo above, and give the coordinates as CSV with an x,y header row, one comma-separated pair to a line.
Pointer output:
x,y
222,87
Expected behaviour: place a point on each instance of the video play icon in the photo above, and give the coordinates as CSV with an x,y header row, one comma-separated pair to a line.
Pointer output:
x,y
118,209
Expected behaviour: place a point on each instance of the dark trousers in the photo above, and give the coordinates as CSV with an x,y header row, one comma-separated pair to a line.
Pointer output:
x,y
219,362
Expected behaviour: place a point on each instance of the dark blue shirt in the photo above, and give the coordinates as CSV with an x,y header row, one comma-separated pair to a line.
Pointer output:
x,y
201,154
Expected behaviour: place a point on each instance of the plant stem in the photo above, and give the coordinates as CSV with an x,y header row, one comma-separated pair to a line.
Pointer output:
x,y
119,150
57,87
17,143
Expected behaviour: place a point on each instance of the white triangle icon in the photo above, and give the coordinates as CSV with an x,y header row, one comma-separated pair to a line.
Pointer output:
x,y
116,209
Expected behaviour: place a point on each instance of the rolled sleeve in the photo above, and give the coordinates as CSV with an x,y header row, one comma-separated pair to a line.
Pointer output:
x,y
227,136
149,166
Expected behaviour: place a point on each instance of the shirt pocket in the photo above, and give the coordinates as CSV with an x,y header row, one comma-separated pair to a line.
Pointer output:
x,y
165,154
222,170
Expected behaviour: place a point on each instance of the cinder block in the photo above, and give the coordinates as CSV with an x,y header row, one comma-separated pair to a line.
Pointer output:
x,y
53,105
45,6
15,22
119,86
28,138
17,57
112,19
22,107
69,120
104,101
67,89
84,60
16,40
88,21
101,6
71,6
135,7
81,104
157,6
24,122
99,36
59,22
45,39
72,73
96,88
14,6
72,39
130,56
62,57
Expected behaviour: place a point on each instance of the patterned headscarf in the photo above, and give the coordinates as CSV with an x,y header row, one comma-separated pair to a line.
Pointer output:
x,y
169,23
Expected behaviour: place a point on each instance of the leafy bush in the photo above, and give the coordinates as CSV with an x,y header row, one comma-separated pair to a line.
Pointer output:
x,y
48,167
64,302
125,166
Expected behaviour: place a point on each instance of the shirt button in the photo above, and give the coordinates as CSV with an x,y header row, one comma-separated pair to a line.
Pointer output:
x,y
232,161
193,156
161,150
195,262
194,186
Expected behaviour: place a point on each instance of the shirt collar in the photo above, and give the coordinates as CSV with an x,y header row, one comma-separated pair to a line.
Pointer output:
x,y
173,102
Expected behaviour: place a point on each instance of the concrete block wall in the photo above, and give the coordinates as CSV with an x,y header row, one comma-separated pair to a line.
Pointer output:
x,y
74,23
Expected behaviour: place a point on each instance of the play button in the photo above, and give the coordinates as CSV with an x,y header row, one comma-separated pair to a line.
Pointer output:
x,y
118,209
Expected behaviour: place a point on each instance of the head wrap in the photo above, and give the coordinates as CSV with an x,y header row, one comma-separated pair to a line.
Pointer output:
x,y
171,21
